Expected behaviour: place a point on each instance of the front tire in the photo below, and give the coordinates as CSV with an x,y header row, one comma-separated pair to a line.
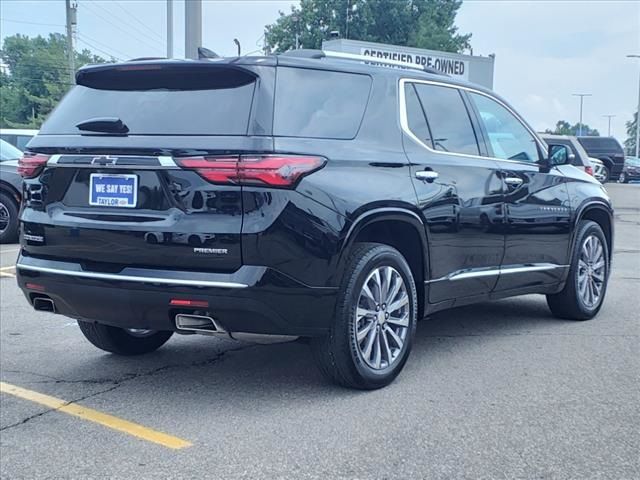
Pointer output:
x,y
375,320
123,341
8,219
623,178
583,294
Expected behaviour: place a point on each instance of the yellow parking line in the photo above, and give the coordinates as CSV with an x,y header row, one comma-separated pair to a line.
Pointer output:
x,y
5,274
91,415
10,267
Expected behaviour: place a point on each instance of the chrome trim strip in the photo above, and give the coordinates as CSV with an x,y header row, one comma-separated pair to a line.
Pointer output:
x,y
131,278
489,272
404,122
166,161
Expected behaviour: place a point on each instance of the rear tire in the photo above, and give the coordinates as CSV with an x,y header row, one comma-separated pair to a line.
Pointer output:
x,y
606,174
623,178
578,299
8,219
120,341
377,304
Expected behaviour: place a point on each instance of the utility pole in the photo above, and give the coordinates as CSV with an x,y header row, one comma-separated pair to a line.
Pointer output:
x,y
72,21
169,28
609,117
637,114
581,95
192,28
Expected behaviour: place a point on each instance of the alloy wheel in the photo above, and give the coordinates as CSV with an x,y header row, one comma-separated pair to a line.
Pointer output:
x,y
591,271
382,318
5,218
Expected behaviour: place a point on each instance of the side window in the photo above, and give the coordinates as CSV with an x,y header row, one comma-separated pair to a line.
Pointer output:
x,y
415,116
448,119
509,138
319,104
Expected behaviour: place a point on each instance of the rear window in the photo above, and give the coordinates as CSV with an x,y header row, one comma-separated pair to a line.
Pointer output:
x,y
600,143
319,104
183,103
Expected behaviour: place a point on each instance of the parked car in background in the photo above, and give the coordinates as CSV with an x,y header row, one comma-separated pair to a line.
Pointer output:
x,y
17,137
319,197
10,192
609,151
598,169
579,157
631,170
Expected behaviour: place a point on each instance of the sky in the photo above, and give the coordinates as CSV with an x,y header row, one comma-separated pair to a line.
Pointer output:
x,y
545,50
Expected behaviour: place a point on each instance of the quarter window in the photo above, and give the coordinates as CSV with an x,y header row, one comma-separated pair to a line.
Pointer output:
x,y
447,116
508,137
415,116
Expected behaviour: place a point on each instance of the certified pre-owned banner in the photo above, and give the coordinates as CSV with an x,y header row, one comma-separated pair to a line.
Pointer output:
x,y
451,66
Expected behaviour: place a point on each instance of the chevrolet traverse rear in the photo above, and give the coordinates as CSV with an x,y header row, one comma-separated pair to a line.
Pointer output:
x,y
294,196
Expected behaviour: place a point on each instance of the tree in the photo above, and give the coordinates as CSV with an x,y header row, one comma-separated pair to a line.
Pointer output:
x,y
630,142
414,23
36,79
565,128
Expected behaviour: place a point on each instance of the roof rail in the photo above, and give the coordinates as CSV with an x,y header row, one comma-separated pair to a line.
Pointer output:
x,y
384,61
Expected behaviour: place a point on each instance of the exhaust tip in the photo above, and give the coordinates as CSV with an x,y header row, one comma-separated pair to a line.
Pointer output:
x,y
198,324
44,304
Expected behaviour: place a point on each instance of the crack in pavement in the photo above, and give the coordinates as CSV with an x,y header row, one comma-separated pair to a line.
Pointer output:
x,y
117,383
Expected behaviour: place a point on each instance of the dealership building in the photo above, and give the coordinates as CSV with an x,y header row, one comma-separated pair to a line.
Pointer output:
x,y
471,68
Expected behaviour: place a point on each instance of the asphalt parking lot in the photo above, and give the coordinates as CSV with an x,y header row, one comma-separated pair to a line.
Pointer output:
x,y
498,390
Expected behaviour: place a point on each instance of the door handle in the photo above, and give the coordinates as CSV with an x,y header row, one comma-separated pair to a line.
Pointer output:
x,y
428,175
513,181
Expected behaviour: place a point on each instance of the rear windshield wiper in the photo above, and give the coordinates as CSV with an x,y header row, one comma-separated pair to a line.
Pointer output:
x,y
103,125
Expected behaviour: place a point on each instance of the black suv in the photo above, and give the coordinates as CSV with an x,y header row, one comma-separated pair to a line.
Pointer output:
x,y
287,196
609,151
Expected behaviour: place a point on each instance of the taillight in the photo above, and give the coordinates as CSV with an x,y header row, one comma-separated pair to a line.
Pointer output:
x,y
589,170
266,170
31,164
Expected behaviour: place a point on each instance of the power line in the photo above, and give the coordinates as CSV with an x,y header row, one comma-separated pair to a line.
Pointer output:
x,y
32,23
84,35
127,32
81,39
149,29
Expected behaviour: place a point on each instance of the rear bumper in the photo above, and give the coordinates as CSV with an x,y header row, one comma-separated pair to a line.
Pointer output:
x,y
254,299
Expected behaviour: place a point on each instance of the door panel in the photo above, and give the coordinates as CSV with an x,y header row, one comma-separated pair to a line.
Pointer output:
x,y
537,207
538,226
460,196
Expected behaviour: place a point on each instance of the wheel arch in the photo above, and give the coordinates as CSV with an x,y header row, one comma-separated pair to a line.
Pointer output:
x,y
602,214
6,187
399,228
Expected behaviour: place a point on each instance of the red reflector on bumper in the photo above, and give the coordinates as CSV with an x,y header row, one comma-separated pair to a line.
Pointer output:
x,y
35,286
177,302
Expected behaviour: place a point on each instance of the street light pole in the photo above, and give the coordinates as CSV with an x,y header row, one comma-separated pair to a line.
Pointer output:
x,y
192,28
637,113
169,28
609,117
581,95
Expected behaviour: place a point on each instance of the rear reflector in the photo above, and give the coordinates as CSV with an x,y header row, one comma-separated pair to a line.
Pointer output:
x,y
31,164
589,170
177,302
260,170
35,286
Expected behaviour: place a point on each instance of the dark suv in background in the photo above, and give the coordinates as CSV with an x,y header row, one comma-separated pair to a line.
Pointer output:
x,y
299,196
609,151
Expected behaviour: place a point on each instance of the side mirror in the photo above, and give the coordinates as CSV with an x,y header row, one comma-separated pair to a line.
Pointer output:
x,y
558,155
